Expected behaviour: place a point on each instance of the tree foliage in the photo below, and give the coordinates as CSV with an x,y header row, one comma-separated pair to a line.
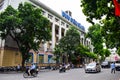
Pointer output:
x,y
26,26
70,46
69,42
97,9
82,50
105,53
103,10
118,52
94,33
58,53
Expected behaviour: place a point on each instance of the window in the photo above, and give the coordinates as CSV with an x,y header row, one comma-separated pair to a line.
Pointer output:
x,y
43,12
67,26
49,58
62,23
56,20
50,16
40,58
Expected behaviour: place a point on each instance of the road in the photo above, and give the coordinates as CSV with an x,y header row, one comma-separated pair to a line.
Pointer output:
x,y
73,74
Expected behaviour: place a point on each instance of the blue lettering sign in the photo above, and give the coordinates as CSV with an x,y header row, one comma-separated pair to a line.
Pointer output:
x,y
66,16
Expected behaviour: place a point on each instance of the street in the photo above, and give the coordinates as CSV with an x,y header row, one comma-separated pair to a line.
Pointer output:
x,y
73,74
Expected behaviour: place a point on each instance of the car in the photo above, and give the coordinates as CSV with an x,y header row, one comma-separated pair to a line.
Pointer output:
x,y
93,67
105,64
117,65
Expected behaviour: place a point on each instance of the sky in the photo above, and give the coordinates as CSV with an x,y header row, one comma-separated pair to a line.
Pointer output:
x,y
72,5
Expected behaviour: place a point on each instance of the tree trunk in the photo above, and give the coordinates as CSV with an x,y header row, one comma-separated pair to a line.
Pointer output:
x,y
69,58
23,63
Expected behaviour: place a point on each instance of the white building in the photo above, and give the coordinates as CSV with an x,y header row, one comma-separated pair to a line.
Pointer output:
x,y
59,26
113,56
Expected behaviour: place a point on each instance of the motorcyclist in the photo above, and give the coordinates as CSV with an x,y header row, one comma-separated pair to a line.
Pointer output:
x,y
32,69
62,68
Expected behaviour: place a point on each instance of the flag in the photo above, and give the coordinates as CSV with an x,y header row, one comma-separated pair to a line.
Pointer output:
x,y
117,7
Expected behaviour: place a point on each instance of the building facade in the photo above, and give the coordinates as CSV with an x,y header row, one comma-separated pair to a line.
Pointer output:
x,y
10,56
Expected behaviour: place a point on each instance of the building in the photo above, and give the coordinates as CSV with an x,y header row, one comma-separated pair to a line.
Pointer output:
x,y
10,55
113,56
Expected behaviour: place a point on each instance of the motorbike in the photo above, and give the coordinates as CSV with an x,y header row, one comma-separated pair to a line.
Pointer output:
x,y
62,69
34,73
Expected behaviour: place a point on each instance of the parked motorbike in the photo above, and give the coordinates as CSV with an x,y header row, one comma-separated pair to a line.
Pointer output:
x,y
34,73
62,69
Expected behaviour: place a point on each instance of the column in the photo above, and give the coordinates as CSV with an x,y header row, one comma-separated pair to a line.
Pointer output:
x,y
45,47
65,32
60,33
2,51
53,36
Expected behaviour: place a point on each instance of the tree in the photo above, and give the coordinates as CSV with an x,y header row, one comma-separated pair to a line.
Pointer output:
x,y
26,26
85,53
103,10
94,33
69,42
97,9
118,52
82,50
58,53
92,55
105,53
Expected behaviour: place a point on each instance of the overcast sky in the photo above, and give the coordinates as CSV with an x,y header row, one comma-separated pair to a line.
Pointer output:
x,y
72,5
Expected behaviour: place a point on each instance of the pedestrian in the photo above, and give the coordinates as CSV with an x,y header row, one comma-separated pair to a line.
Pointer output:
x,y
113,67
18,67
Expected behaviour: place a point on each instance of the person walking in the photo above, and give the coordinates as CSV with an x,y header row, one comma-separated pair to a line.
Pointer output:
x,y
113,67
18,67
